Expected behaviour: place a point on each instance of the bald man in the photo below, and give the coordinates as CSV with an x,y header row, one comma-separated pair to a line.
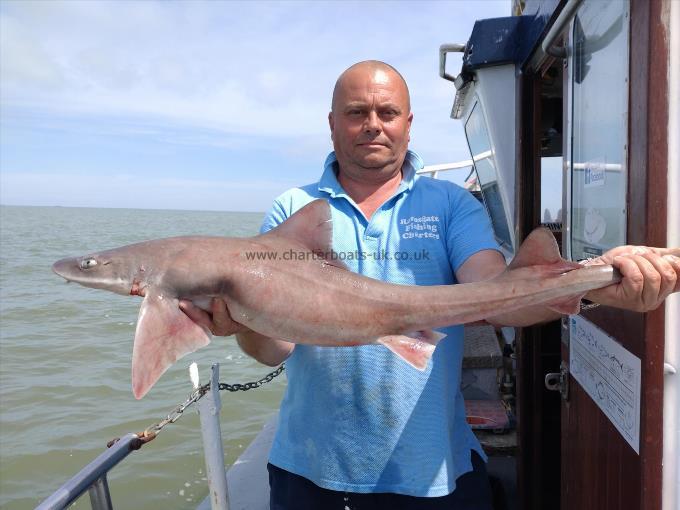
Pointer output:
x,y
358,427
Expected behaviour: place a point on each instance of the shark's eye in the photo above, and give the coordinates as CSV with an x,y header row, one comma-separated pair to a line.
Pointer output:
x,y
88,263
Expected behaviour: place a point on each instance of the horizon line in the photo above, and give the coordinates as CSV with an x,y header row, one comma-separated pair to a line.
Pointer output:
x,y
129,208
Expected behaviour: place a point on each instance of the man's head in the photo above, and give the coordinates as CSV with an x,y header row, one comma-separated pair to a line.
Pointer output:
x,y
370,119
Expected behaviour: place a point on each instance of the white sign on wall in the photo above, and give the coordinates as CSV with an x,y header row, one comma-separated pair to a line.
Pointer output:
x,y
610,375
594,174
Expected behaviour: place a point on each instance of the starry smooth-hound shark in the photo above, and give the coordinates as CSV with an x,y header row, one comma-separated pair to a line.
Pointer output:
x,y
310,299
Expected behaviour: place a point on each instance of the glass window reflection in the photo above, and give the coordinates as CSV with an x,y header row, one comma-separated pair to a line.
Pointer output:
x,y
600,128
487,177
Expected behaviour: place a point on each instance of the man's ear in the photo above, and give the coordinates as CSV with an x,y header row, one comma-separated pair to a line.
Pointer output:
x,y
409,120
331,123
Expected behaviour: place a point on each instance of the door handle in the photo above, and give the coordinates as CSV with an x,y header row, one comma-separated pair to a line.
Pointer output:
x,y
559,381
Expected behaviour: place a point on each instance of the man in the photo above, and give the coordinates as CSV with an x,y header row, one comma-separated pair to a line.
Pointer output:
x,y
359,428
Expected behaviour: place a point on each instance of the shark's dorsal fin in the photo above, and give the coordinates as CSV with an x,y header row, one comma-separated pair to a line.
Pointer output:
x,y
312,227
540,249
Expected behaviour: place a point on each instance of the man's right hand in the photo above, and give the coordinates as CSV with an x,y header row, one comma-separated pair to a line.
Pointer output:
x,y
218,320
269,351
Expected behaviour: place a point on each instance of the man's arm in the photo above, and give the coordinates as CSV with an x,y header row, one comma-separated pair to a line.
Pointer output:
x,y
269,351
648,278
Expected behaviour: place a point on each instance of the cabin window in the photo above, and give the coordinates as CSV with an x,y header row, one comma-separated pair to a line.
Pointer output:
x,y
551,190
479,143
599,83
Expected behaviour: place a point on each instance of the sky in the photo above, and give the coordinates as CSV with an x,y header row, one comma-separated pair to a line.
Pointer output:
x,y
217,105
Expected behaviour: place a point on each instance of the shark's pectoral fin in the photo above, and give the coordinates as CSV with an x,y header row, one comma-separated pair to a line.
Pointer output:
x,y
164,334
414,348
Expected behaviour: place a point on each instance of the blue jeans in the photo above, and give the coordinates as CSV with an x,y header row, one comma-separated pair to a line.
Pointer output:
x,y
293,492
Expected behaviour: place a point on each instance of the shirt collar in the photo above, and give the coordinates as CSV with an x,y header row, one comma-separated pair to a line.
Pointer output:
x,y
329,180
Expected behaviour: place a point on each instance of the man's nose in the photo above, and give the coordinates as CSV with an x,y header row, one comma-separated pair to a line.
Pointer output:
x,y
372,123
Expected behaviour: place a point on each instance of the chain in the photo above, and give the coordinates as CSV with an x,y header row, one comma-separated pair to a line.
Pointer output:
x,y
252,385
153,430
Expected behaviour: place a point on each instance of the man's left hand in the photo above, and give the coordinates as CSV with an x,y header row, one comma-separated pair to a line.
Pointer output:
x,y
649,276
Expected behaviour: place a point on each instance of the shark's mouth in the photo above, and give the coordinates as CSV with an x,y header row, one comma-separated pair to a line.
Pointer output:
x,y
137,289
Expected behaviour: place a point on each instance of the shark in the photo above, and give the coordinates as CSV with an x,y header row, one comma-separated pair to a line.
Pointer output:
x,y
311,298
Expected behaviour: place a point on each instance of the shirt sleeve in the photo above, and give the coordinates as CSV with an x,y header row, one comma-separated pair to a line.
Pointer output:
x,y
469,229
276,215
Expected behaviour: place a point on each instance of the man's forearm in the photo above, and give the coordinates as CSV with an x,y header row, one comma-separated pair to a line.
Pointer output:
x,y
269,351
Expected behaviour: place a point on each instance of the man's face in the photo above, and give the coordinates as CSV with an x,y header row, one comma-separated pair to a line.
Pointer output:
x,y
371,120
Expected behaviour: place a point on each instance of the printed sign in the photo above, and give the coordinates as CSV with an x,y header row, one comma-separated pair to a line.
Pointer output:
x,y
594,174
609,374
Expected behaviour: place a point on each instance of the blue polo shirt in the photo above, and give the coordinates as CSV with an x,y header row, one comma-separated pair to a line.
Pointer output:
x,y
360,419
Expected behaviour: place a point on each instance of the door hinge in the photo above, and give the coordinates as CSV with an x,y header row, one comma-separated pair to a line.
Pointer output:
x,y
559,381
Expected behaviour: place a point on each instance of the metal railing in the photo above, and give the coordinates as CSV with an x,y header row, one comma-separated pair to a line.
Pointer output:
x,y
209,411
568,12
433,170
92,478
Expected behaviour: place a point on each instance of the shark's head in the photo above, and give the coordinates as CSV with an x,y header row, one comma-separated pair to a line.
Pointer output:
x,y
100,271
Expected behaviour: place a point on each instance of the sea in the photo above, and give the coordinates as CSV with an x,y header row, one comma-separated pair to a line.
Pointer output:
x,y
65,354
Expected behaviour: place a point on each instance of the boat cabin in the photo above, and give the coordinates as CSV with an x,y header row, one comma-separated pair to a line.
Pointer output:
x,y
570,110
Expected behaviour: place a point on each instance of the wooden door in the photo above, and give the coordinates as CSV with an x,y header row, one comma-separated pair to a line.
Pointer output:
x,y
600,467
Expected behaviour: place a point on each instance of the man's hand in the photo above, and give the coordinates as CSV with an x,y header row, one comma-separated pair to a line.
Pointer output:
x,y
649,276
218,321
266,350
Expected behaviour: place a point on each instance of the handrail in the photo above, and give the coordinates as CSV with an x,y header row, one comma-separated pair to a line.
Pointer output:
x,y
565,17
609,167
209,412
93,476
433,170
443,50
466,163
429,169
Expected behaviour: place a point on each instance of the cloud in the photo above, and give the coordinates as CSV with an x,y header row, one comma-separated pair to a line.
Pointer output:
x,y
175,89
255,67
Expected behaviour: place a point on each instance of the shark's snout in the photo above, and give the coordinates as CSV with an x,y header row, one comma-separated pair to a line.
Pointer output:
x,y
95,271
70,269
64,267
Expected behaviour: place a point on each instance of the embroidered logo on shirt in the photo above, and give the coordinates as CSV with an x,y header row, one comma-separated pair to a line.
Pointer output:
x,y
419,227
